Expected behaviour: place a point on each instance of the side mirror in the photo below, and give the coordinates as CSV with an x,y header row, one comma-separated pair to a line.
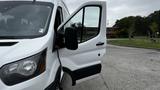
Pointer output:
x,y
71,41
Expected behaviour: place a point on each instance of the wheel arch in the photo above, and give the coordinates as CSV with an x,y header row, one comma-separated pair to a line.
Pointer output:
x,y
69,72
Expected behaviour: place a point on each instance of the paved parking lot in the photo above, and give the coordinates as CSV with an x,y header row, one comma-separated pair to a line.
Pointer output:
x,y
126,68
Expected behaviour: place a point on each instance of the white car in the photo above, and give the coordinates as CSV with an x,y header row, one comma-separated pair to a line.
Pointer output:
x,y
40,42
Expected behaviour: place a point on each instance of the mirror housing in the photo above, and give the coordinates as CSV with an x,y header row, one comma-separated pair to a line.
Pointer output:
x,y
71,41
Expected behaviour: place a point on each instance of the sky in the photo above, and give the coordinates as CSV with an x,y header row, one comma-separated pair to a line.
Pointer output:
x,y
117,9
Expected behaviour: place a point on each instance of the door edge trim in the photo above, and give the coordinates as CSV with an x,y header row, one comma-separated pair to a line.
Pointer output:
x,y
83,72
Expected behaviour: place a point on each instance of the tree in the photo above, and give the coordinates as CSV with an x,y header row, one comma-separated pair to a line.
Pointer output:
x,y
127,25
154,29
131,31
139,26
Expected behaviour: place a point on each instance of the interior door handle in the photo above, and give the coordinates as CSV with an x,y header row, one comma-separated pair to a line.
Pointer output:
x,y
100,44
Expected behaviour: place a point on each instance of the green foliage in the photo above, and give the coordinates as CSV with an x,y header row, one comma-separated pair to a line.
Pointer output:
x,y
122,33
154,27
131,30
139,26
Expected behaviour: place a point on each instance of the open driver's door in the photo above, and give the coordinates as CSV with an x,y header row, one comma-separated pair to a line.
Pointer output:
x,y
90,23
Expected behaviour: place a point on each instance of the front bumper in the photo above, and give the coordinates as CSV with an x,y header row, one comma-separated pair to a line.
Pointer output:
x,y
37,83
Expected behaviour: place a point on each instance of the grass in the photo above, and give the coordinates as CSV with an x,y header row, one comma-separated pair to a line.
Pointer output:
x,y
137,42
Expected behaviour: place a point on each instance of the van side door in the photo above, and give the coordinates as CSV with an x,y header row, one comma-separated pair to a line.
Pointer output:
x,y
90,23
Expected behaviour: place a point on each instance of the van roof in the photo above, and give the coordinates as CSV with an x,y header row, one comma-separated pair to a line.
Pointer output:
x,y
55,2
52,1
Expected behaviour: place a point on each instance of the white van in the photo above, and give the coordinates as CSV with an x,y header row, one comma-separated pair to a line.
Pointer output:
x,y
40,42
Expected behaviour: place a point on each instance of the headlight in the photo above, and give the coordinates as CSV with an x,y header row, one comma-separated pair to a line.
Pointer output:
x,y
24,69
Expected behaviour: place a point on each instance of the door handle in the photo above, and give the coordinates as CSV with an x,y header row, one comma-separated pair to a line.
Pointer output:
x,y
100,44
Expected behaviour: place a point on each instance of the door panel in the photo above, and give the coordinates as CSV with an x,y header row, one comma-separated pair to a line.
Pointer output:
x,y
90,23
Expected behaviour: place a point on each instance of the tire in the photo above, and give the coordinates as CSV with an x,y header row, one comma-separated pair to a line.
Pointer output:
x,y
66,82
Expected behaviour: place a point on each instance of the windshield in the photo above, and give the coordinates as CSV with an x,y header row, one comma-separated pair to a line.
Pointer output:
x,y
22,20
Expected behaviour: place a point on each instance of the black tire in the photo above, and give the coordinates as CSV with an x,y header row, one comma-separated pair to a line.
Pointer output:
x,y
66,82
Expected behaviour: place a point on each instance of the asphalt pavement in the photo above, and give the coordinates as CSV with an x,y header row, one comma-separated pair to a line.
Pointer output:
x,y
125,68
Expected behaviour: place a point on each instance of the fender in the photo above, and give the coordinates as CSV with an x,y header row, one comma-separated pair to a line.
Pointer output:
x,y
56,81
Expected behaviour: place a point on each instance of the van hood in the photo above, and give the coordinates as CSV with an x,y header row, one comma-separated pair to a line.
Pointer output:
x,y
13,50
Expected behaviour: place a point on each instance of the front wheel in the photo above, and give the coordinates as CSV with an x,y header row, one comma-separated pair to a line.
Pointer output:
x,y
66,82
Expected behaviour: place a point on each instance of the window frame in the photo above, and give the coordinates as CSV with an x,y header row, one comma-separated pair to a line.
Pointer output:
x,y
83,14
59,9
99,22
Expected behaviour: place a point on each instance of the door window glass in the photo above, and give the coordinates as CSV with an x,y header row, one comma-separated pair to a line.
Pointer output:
x,y
91,23
86,22
76,22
